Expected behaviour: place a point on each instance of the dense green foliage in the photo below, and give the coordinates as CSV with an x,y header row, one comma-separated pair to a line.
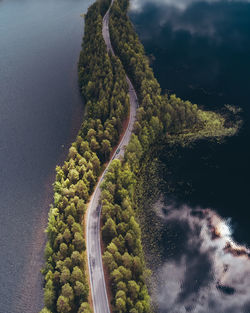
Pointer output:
x,y
104,88
123,255
158,117
104,5
105,91
158,114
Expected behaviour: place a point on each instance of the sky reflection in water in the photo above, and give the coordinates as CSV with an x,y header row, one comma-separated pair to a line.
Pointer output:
x,y
137,5
200,51
204,270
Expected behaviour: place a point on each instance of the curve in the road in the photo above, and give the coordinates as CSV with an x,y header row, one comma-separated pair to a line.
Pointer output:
x,y
94,253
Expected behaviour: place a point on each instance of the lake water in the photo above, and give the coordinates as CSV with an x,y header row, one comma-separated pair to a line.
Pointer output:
x,y
200,51
40,114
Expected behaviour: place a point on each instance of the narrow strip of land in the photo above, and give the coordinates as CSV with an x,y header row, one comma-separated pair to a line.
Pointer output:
x,y
96,274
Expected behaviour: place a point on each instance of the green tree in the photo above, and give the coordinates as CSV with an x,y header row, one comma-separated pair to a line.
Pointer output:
x,y
48,252
77,275
76,258
70,220
49,295
84,308
65,275
73,175
120,305
81,290
76,227
127,260
45,310
68,263
112,248
91,179
82,190
72,152
122,286
63,305
109,230
67,292
106,148
67,235
121,294
94,145
96,164
79,241
133,289
116,276
109,261
81,207
63,249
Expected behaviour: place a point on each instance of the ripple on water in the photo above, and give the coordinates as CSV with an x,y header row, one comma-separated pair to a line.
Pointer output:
x,y
40,43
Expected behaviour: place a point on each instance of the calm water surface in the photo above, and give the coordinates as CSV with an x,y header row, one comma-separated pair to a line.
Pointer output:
x,y
40,113
200,51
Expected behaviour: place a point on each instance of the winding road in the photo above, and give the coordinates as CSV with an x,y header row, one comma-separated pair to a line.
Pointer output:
x,y
94,253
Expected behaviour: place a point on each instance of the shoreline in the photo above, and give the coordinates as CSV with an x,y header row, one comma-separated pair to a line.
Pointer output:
x,y
33,279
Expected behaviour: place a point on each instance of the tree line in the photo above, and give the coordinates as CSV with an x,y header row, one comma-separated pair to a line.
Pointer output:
x,y
104,5
123,256
157,116
105,92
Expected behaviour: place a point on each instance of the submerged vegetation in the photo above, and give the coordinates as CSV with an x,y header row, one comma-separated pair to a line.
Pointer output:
x,y
160,116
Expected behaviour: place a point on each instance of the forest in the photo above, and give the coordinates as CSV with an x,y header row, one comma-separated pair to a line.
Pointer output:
x,y
159,116
122,235
104,89
158,113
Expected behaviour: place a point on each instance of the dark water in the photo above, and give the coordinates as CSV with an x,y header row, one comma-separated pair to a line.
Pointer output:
x,y
200,51
40,113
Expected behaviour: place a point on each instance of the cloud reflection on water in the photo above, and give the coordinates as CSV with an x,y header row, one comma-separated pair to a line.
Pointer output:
x,y
200,275
137,5
182,14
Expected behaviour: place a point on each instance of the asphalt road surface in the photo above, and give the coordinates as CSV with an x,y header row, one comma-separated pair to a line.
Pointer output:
x,y
96,274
